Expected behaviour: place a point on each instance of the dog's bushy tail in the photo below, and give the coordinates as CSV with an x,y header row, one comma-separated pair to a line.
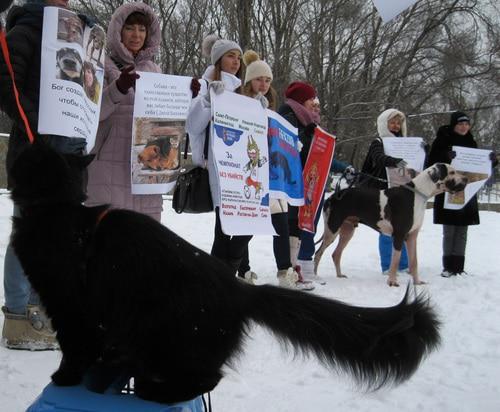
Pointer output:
x,y
377,346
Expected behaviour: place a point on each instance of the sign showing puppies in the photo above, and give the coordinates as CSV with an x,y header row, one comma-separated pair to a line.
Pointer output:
x,y
160,110
71,77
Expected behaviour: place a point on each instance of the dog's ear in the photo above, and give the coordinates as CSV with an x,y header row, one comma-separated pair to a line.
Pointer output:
x,y
438,172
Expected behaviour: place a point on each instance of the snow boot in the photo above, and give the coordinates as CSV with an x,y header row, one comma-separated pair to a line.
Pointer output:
x,y
306,269
289,278
30,331
248,277
448,267
458,264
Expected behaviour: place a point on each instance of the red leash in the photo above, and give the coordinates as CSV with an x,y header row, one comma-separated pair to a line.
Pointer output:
x,y
6,55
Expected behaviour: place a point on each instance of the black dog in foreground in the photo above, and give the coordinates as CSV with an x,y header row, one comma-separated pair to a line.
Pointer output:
x,y
127,294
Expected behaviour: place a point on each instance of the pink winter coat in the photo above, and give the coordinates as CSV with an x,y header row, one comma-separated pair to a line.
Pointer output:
x,y
109,173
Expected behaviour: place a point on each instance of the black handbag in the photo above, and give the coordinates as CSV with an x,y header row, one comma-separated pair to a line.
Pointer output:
x,y
192,189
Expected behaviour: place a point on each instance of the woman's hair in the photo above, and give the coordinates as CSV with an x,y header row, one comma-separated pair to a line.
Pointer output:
x,y
139,18
271,95
90,90
218,69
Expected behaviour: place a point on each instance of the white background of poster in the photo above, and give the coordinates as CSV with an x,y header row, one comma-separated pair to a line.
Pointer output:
x,y
407,148
388,9
64,108
474,161
158,97
240,214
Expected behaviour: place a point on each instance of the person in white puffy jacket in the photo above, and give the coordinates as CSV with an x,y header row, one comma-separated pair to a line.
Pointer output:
x,y
222,75
257,84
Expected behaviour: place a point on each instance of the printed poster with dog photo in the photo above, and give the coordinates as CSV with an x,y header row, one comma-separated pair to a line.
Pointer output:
x,y
160,110
71,77
475,165
411,151
239,142
285,169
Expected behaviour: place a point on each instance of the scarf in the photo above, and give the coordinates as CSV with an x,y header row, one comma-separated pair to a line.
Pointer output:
x,y
304,116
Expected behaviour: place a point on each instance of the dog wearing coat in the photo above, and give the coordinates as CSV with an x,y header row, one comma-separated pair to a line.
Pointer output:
x,y
397,211
129,297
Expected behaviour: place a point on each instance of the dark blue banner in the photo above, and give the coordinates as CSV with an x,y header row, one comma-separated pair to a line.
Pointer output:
x,y
285,170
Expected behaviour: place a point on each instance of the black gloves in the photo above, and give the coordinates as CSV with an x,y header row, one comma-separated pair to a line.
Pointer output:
x,y
195,87
127,79
88,21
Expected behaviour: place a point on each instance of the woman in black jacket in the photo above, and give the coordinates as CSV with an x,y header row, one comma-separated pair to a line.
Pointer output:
x,y
26,326
455,222
298,109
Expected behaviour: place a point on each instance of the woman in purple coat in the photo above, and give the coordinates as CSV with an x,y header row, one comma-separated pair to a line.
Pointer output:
x,y
133,39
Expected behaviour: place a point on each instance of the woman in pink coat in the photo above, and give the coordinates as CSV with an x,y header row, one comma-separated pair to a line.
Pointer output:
x,y
133,39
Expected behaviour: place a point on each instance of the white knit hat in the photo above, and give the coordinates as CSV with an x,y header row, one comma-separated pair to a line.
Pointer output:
x,y
216,48
255,67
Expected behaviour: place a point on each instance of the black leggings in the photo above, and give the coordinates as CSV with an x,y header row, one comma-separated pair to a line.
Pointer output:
x,y
230,249
281,245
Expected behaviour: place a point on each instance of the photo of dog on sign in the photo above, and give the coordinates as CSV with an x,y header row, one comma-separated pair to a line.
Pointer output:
x,y
156,150
69,27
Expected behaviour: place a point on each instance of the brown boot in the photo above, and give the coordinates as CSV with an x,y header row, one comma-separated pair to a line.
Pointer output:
x,y
32,331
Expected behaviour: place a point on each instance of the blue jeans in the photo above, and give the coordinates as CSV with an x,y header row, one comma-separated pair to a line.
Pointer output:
x,y
307,246
385,249
18,291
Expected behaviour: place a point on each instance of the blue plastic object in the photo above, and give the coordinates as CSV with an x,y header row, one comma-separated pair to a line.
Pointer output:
x,y
79,399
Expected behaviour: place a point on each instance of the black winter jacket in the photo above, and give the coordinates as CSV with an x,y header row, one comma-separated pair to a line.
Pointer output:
x,y
375,163
24,36
440,153
24,39
306,139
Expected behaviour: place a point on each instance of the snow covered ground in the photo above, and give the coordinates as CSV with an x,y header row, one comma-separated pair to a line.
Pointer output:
x,y
463,375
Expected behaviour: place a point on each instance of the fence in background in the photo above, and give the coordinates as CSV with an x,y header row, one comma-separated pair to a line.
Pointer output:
x,y
489,196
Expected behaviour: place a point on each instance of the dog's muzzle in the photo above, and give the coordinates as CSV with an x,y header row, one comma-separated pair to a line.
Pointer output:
x,y
453,187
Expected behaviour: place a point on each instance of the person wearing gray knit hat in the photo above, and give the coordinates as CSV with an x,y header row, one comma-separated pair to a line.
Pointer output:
x,y
216,48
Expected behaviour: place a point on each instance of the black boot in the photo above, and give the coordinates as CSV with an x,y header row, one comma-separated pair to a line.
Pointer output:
x,y
448,268
458,264
233,264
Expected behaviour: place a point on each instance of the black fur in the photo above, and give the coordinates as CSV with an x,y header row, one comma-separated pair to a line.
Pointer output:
x,y
127,294
277,159
364,203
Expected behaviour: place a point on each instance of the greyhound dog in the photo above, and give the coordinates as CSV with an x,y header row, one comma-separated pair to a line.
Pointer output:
x,y
398,211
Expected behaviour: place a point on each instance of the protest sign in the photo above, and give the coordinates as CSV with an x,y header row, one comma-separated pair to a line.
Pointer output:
x,y
315,175
410,150
475,164
71,76
285,169
239,143
161,106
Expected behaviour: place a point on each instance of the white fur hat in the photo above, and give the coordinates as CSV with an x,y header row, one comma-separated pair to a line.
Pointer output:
x,y
383,119
255,67
216,48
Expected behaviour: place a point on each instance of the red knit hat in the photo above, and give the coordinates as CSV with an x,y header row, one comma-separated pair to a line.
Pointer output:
x,y
300,92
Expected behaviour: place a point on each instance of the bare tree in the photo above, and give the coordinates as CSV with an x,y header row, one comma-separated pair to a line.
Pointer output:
x,y
438,56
